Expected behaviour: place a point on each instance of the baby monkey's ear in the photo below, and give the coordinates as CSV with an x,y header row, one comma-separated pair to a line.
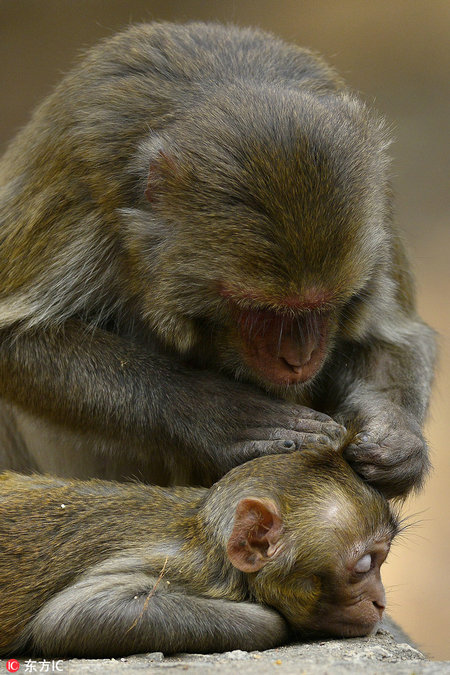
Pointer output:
x,y
255,537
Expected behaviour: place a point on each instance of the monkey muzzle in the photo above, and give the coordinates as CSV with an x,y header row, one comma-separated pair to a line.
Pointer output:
x,y
283,348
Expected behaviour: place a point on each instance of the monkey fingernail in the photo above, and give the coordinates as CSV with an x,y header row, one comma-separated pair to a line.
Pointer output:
x,y
336,431
312,441
352,452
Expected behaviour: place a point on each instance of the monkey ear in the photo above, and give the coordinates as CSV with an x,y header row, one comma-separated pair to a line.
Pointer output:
x,y
256,534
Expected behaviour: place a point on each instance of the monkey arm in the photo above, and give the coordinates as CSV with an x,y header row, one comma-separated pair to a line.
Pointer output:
x,y
106,615
382,391
93,380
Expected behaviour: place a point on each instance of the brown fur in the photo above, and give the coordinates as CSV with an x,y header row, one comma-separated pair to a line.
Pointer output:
x,y
101,569
179,187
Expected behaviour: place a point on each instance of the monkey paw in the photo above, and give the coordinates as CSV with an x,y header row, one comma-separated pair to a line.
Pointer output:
x,y
391,457
300,429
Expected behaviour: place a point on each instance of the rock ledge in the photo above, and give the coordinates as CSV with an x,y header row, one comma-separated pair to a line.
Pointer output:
x,y
388,651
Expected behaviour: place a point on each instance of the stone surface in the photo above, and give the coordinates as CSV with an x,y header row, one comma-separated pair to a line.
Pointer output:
x,y
389,651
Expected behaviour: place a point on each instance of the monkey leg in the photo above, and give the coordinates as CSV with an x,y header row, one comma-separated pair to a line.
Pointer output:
x,y
125,613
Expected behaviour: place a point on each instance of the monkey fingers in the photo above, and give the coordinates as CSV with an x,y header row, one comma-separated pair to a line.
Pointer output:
x,y
301,419
278,441
310,414
299,431
319,422
394,461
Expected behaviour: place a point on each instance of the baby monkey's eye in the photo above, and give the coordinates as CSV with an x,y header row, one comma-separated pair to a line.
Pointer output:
x,y
364,564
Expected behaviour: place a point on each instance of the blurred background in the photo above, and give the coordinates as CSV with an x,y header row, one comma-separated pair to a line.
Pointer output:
x,y
396,54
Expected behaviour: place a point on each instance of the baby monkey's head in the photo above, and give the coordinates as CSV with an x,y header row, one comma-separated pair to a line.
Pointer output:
x,y
312,536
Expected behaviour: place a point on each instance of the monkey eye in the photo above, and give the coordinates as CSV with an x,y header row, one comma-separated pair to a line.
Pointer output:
x,y
364,564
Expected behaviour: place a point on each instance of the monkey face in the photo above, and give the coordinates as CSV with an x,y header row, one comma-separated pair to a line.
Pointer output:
x,y
272,220
317,550
353,602
334,586
347,601
354,529
282,347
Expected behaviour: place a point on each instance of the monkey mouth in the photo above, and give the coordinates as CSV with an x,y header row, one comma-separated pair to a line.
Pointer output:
x,y
284,350
353,630
357,620
338,627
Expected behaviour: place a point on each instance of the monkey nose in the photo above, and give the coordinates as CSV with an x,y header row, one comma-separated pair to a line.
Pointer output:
x,y
380,603
296,357
306,358
298,361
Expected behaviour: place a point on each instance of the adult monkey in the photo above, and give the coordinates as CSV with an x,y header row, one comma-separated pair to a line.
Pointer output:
x,y
196,255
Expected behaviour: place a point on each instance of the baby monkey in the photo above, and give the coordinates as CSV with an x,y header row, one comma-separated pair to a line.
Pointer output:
x,y
282,546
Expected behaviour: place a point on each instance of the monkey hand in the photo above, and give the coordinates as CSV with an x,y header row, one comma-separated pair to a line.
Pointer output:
x,y
279,427
390,453
226,423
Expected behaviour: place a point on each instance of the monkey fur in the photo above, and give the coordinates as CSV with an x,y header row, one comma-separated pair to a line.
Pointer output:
x,y
283,546
198,266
